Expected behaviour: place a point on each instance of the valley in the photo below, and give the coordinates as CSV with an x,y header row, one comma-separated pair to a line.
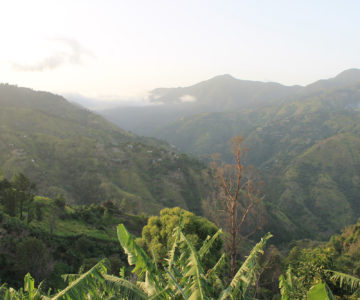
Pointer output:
x,y
303,141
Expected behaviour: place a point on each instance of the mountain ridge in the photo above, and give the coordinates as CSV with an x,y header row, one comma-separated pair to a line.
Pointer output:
x,y
289,140
72,151
218,94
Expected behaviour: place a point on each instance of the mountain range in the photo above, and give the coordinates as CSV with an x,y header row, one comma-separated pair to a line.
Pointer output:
x,y
222,93
305,141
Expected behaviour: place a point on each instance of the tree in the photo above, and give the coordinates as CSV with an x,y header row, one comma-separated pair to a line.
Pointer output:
x,y
24,192
239,199
32,256
157,236
8,197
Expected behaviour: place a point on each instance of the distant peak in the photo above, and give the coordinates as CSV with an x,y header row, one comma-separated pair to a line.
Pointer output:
x,y
224,76
349,74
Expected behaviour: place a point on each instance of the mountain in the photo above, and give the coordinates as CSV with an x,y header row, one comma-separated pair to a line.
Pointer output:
x,y
221,93
69,150
305,145
345,79
224,92
306,150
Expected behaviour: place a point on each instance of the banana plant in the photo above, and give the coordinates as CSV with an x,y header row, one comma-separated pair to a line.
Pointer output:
x,y
291,288
320,291
29,292
184,278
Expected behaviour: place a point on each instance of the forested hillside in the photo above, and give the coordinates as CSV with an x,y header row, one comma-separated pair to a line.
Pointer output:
x,y
306,149
304,141
71,151
307,152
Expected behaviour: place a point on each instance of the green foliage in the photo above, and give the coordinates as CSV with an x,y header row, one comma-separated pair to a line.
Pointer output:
x,y
85,285
85,158
292,287
29,292
32,256
246,275
157,236
320,291
310,264
344,280
60,201
304,144
24,193
333,263
8,197
185,277
17,196
81,236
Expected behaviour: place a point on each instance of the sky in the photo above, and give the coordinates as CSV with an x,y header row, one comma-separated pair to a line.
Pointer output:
x,y
112,50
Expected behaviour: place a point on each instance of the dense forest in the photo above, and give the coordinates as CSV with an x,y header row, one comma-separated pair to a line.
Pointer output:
x,y
91,211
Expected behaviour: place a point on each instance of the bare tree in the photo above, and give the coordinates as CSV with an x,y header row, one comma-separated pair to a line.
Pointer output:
x,y
239,199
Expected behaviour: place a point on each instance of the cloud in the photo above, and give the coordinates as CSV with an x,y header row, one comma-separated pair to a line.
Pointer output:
x,y
73,53
187,98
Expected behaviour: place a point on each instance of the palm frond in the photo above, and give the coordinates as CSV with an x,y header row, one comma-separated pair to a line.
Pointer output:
x,y
195,271
342,278
86,284
123,289
246,274
172,252
173,280
68,278
138,257
206,246
218,265
284,288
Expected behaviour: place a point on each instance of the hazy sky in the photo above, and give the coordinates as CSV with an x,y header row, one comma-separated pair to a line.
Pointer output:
x,y
113,49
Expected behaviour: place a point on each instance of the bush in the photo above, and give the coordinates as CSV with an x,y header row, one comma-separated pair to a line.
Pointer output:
x,y
60,201
32,257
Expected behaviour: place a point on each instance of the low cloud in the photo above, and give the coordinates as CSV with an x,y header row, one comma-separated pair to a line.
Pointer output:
x,y
187,98
74,54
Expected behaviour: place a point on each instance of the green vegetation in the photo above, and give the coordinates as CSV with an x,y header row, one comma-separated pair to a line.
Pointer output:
x,y
185,262
304,145
157,236
71,151
183,278
93,176
335,263
51,237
